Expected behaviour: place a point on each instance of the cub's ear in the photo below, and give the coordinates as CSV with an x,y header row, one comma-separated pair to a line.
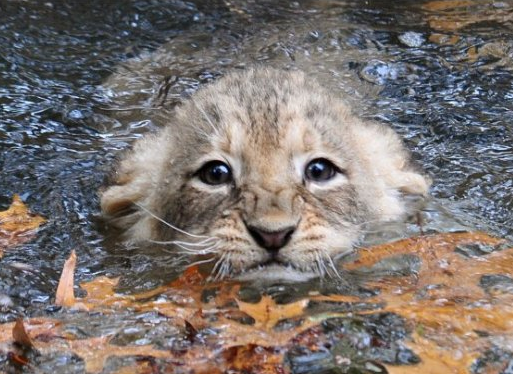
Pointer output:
x,y
134,182
411,183
391,161
119,202
394,187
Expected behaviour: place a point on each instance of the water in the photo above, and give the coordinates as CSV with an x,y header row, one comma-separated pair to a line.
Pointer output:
x,y
79,81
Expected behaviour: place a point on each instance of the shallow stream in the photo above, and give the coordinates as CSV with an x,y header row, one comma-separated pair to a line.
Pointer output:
x,y
79,81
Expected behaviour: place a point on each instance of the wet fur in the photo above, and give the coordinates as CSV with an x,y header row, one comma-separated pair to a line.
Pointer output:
x,y
267,125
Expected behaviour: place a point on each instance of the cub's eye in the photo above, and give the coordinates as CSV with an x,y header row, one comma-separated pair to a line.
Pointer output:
x,y
320,170
215,173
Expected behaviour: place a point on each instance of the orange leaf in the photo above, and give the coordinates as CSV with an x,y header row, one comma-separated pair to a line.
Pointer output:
x,y
254,359
445,301
65,295
267,313
95,351
17,359
100,292
190,277
446,298
17,224
435,359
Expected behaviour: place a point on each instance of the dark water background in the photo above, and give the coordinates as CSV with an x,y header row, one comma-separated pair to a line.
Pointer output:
x,y
440,73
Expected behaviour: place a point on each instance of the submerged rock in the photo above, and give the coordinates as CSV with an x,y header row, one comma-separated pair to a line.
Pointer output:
x,y
412,39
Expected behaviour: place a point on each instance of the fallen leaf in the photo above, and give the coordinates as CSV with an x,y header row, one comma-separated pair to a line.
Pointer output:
x,y
454,319
33,327
65,295
95,351
452,15
20,336
435,359
17,359
445,298
255,359
267,313
100,293
17,224
231,333
191,277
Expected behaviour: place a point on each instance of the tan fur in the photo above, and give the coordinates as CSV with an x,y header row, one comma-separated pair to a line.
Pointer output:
x,y
267,125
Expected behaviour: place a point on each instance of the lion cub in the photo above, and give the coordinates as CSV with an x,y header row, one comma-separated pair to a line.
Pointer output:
x,y
265,174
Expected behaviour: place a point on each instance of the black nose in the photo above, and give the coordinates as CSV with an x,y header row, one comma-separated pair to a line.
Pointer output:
x,y
271,240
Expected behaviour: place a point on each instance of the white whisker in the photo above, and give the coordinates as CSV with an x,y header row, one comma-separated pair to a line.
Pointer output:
x,y
201,262
205,242
225,268
198,244
216,267
170,225
195,252
186,246
332,269
222,268
320,265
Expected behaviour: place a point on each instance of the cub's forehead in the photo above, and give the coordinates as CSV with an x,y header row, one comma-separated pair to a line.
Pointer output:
x,y
287,138
268,111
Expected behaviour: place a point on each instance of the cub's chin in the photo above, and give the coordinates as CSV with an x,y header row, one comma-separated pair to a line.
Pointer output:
x,y
275,272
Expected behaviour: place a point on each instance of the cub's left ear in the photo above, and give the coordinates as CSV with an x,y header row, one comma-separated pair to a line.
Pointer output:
x,y
411,183
383,151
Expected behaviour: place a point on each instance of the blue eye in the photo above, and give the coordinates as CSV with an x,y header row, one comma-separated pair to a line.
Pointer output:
x,y
215,173
320,170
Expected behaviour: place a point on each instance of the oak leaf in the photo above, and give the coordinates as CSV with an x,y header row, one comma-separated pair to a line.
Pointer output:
x,y
267,313
17,224
445,297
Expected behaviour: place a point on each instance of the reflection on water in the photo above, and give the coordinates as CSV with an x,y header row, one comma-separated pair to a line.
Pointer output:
x,y
439,72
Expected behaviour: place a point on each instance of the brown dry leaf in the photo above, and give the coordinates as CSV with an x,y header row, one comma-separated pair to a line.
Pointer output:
x,y
191,277
438,5
429,248
32,326
65,295
435,359
20,336
17,224
445,298
452,15
267,313
255,359
45,335
100,293
95,351
231,334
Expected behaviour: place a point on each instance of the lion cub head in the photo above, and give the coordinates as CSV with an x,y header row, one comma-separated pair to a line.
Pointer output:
x,y
263,173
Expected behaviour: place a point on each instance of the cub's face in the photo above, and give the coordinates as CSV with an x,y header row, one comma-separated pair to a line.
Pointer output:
x,y
262,174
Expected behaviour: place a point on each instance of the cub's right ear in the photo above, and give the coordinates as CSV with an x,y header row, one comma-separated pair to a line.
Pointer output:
x,y
119,202
133,184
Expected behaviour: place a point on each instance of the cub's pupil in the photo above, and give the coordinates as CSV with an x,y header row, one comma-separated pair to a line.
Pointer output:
x,y
215,172
320,170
